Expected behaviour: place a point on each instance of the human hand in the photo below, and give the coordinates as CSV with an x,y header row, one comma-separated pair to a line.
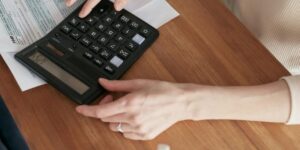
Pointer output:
x,y
149,108
90,4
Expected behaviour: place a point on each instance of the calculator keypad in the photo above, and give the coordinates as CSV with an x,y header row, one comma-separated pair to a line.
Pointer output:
x,y
110,39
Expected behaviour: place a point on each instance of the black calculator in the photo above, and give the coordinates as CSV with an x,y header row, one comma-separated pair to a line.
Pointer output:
x,y
76,53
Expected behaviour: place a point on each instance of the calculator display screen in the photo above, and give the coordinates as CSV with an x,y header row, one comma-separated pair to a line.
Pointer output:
x,y
59,73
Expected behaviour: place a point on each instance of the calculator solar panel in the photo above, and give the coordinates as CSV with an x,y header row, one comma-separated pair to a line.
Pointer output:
x,y
74,55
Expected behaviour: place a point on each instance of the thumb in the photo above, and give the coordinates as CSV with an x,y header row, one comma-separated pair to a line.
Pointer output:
x,y
122,86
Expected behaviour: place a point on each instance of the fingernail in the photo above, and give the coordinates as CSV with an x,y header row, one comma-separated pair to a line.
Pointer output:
x,y
81,14
118,8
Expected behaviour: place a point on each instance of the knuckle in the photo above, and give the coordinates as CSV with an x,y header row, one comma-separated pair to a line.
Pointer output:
x,y
135,120
141,129
129,97
131,101
124,102
145,82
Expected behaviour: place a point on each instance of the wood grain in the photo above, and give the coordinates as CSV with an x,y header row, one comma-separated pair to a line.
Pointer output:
x,y
205,45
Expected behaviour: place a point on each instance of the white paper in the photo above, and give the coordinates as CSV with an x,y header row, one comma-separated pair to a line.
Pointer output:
x,y
135,4
25,79
154,12
25,21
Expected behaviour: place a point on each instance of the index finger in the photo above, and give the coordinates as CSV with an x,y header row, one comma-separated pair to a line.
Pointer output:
x,y
88,7
102,111
120,4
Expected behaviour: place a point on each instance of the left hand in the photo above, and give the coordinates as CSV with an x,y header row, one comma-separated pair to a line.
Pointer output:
x,y
149,108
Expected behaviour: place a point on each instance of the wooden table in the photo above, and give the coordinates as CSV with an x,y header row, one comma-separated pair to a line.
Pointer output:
x,y
205,45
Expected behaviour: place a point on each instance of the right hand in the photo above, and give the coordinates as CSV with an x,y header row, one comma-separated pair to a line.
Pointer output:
x,y
149,107
90,4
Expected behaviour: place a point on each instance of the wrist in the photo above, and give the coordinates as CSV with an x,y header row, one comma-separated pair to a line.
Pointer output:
x,y
214,103
203,102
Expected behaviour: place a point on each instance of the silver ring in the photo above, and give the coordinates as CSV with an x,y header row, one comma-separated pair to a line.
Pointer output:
x,y
119,127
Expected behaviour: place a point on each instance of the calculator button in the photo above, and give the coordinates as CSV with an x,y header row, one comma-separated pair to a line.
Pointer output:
x,y
138,39
101,27
115,13
103,40
118,26
98,62
108,20
116,61
66,29
95,48
134,25
119,38
131,46
86,41
101,10
91,20
112,46
123,53
105,54
109,69
145,31
128,32
74,21
57,35
83,27
75,35
88,55
93,34
74,46
124,19
111,33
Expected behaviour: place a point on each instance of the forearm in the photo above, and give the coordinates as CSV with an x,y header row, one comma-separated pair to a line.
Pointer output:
x,y
267,103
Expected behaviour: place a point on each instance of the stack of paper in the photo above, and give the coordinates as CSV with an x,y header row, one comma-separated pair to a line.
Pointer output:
x,y
24,21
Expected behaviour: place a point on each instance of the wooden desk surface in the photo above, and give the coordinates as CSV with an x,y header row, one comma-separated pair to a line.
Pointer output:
x,y
205,45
